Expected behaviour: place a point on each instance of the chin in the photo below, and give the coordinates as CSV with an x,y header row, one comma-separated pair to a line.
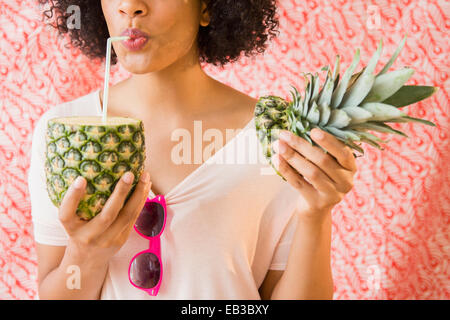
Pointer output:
x,y
140,66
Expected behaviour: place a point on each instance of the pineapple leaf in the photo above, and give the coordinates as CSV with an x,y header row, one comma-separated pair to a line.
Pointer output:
x,y
377,126
307,96
355,77
347,139
407,95
306,137
316,85
306,124
292,120
327,91
338,94
387,84
381,111
324,114
354,146
313,114
357,114
336,81
398,120
412,119
299,126
342,133
358,91
374,60
372,143
338,119
296,98
293,104
367,135
336,68
394,56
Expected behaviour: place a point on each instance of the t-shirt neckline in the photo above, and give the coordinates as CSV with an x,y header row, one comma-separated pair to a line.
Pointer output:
x,y
205,164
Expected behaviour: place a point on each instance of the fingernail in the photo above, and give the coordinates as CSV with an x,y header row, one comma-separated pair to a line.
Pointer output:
x,y
128,177
79,183
145,177
284,135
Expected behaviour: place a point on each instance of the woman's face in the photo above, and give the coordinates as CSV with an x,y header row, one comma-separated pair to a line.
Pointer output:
x,y
171,24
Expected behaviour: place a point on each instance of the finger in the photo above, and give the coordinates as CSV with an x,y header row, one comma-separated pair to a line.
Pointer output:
x,y
113,205
292,176
313,174
131,210
127,224
68,208
328,164
338,149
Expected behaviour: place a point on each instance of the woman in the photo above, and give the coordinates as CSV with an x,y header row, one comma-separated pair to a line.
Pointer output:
x,y
232,232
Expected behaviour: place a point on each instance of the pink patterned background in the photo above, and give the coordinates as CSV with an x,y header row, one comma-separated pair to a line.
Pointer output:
x,y
390,234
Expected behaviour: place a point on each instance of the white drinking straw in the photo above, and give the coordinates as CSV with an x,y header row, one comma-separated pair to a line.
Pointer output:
x,y
107,68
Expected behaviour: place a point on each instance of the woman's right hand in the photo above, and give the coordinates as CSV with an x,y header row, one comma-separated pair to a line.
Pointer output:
x,y
101,237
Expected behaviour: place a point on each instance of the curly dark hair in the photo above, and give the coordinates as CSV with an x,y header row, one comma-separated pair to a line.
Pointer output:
x,y
235,27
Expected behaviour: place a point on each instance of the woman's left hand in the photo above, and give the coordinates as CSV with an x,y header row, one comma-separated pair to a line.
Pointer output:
x,y
322,178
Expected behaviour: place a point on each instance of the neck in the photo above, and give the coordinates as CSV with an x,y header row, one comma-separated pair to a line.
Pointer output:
x,y
179,88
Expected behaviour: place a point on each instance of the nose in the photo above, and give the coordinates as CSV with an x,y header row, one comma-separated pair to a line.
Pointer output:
x,y
133,8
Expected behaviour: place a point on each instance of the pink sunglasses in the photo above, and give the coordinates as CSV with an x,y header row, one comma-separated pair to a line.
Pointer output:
x,y
145,270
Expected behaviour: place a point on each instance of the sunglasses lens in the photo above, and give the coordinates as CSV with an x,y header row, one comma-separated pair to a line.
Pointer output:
x,y
151,219
145,270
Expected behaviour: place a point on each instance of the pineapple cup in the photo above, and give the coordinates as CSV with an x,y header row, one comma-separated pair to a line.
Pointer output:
x,y
101,153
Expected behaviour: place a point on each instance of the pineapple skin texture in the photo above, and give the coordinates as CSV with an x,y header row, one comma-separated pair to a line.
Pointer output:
x,y
101,154
270,117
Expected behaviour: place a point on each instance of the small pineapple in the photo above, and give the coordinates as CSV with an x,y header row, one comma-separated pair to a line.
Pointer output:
x,y
346,107
101,153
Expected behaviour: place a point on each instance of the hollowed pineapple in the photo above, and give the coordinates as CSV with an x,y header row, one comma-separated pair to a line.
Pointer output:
x,y
101,153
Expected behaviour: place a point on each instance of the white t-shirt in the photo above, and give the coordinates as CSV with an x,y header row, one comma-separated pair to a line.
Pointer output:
x,y
228,222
